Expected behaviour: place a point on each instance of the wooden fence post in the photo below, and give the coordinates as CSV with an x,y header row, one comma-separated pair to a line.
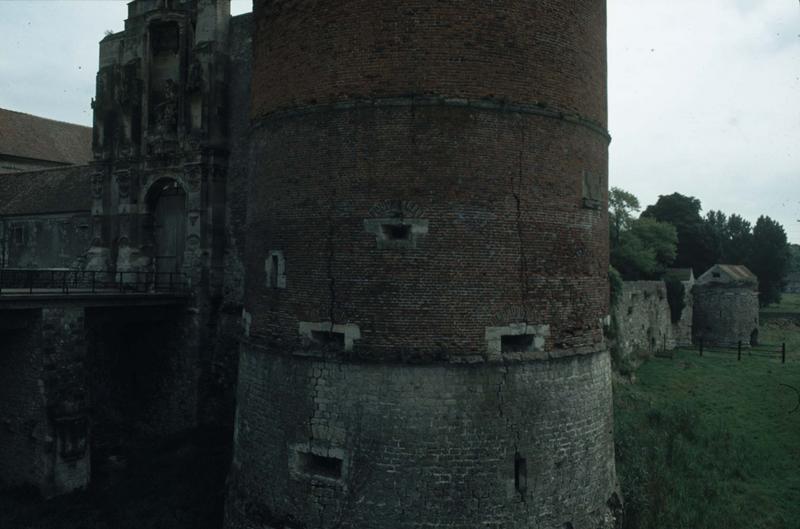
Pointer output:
x,y
783,353
739,356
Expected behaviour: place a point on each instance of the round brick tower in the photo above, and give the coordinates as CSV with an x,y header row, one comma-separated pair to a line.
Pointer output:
x,y
426,268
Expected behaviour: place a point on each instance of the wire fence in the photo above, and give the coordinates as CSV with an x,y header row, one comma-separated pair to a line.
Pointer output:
x,y
741,349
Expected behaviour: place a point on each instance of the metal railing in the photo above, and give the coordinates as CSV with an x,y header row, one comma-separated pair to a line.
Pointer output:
x,y
16,281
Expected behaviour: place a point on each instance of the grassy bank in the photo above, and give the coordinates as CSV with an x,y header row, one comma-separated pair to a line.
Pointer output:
x,y
790,303
706,443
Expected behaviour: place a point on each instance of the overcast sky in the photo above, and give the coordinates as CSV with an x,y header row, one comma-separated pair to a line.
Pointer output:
x,y
704,95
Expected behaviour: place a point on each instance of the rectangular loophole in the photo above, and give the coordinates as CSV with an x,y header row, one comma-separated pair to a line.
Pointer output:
x,y
328,338
520,343
273,277
396,232
520,474
329,467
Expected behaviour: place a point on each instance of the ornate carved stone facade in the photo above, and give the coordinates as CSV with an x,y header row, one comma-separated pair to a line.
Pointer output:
x,y
160,130
158,198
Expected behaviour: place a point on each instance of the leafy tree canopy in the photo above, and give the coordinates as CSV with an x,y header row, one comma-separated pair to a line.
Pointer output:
x,y
641,248
736,248
769,259
695,242
621,205
672,232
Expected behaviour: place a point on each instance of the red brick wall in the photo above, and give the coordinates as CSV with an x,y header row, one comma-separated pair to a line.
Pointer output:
x,y
551,52
452,110
319,175
499,184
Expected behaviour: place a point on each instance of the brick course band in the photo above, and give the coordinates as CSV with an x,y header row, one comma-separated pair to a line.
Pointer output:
x,y
540,109
264,346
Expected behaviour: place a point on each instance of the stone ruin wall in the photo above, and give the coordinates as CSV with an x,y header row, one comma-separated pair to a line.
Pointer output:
x,y
725,314
643,321
44,400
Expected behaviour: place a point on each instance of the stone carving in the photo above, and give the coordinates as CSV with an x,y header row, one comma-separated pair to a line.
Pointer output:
x,y
194,83
167,109
129,91
123,183
97,185
192,174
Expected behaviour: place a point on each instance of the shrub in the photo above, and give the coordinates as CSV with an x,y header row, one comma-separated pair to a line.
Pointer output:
x,y
676,294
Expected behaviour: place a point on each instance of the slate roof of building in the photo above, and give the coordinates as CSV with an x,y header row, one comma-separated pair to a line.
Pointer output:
x,y
734,273
56,190
27,136
739,272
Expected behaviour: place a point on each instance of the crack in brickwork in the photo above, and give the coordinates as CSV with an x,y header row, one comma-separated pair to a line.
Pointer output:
x,y
331,252
523,265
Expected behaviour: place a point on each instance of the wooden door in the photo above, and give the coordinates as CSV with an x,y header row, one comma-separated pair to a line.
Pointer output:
x,y
170,230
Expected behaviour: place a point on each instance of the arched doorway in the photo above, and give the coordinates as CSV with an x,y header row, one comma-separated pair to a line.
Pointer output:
x,y
754,338
166,201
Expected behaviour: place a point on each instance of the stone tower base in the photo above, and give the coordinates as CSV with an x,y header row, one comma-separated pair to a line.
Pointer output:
x,y
323,444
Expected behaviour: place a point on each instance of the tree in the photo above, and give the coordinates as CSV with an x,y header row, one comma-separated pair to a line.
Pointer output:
x,y
716,234
794,259
621,205
695,242
769,259
676,298
645,250
737,248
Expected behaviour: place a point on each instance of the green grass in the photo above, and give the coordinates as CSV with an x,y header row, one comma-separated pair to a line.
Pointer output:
x,y
706,443
781,323
790,304
775,333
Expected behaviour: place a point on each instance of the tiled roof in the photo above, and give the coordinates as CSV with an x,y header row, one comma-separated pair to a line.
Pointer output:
x,y
732,273
738,272
54,190
27,136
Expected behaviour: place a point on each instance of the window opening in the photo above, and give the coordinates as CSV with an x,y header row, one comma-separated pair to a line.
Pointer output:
x,y
328,338
396,232
520,475
329,467
274,272
519,343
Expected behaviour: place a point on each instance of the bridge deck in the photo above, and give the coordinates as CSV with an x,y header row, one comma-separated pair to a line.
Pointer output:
x,y
39,299
24,299
33,288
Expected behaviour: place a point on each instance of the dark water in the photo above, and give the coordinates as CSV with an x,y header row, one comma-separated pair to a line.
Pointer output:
x,y
174,485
